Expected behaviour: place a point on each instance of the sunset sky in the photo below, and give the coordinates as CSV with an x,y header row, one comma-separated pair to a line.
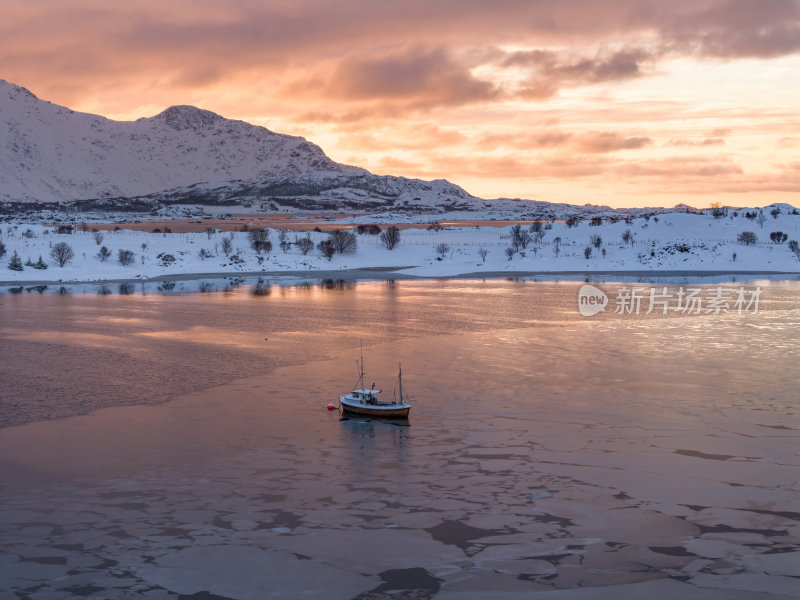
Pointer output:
x,y
619,102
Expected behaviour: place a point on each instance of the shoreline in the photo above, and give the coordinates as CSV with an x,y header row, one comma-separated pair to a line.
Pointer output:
x,y
372,273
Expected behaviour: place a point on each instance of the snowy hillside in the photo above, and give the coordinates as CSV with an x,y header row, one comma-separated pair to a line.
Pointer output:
x,y
324,191
49,153
676,242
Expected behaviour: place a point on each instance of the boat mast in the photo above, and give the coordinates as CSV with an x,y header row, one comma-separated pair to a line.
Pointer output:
x,y
400,380
361,368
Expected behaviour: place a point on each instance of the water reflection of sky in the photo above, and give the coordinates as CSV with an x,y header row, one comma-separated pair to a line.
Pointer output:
x,y
545,450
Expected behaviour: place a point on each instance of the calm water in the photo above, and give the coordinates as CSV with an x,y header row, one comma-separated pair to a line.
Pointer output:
x,y
158,444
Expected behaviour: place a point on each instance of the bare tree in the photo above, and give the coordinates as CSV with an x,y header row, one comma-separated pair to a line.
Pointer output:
x,y
344,242
390,238
587,252
2,249
370,229
305,244
748,238
778,237
62,253
98,237
227,246
482,253
125,257
510,251
556,245
326,248
536,226
761,218
104,254
596,241
259,240
718,211
442,249
520,238
283,240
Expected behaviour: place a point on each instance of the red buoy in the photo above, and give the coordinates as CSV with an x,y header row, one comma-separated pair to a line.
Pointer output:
x,y
331,407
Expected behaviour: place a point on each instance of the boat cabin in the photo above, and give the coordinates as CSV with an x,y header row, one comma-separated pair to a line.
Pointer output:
x,y
366,396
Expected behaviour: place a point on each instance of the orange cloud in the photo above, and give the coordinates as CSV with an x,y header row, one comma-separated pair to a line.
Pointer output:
x,y
691,142
512,91
416,77
607,141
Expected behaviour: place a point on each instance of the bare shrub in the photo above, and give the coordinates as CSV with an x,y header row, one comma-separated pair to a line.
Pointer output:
x,y
103,254
125,257
305,244
434,226
390,238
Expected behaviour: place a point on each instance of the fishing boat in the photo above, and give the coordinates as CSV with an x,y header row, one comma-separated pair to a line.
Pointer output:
x,y
365,402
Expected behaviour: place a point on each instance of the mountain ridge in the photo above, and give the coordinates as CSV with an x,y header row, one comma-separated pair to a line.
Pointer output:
x,y
51,153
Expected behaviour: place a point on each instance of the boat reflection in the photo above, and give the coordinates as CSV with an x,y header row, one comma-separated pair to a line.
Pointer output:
x,y
376,443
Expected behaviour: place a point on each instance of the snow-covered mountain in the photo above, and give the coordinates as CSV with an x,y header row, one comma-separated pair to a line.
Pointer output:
x,y
49,153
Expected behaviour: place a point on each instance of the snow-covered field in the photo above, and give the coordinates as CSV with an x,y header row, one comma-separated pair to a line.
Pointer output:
x,y
665,242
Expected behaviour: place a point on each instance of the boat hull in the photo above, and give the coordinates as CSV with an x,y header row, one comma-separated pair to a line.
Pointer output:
x,y
385,413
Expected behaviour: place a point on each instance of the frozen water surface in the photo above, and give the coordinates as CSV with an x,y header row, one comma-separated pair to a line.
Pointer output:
x,y
547,455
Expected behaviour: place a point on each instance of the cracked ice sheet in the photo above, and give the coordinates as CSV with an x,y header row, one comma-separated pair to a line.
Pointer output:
x,y
272,483
662,589
249,573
